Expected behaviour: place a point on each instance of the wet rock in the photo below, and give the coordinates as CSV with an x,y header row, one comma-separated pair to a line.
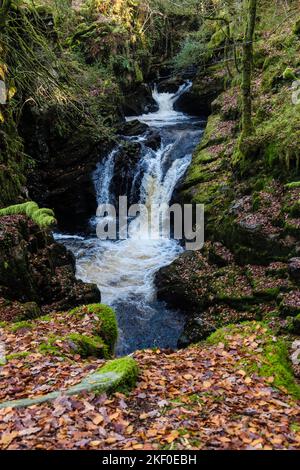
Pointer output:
x,y
294,268
184,283
61,178
198,100
139,101
196,330
153,140
125,170
133,128
37,272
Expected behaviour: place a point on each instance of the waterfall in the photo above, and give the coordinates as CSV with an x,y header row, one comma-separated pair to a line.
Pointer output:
x,y
103,175
124,270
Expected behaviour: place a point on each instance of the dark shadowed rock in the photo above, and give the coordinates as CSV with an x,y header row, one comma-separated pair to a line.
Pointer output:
x,y
61,178
133,128
139,101
198,100
153,140
196,329
170,85
37,271
125,170
294,268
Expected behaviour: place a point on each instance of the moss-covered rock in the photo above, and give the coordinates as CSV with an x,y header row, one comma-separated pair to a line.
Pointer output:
x,y
87,346
272,359
88,331
105,325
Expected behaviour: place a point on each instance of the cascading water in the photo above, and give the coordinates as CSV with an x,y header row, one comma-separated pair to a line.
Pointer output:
x,y
124,270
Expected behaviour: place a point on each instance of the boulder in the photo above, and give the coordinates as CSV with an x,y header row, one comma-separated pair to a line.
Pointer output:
x,y
133,128
124,171
36,271
197,101
196,329
294,268
139,101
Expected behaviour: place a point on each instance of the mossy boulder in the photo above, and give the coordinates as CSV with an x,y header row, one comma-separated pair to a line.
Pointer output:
x,y
229,285
87,346
105,323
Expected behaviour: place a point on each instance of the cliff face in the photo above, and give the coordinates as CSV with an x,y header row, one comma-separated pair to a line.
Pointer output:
x,y
36,273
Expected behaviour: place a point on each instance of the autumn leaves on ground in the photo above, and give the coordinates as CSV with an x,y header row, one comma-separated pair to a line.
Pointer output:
x,y
210,396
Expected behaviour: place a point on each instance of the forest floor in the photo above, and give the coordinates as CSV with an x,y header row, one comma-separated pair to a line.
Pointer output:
x,y
216,395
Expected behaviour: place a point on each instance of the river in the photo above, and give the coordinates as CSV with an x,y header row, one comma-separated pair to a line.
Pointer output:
x,y
124,270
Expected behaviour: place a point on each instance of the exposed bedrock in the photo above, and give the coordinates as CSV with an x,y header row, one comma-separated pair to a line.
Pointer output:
x,y
139,101
125,169
61,178
198,100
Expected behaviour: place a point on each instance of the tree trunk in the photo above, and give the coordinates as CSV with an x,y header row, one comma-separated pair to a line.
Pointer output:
x,y
247,126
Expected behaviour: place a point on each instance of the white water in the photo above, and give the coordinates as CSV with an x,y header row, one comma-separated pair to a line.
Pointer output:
x,y
124,270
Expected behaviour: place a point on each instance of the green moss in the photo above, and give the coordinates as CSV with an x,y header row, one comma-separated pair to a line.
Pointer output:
x,y
289,74
20,325
45,318
293,185
217,39
127,370
88,346
118,375
19,355
44,218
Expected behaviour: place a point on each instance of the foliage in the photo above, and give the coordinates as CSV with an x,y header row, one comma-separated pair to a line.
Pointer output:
x,y
44,218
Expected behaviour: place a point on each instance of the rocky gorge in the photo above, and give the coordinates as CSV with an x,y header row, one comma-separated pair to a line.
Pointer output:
x,y
120,106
